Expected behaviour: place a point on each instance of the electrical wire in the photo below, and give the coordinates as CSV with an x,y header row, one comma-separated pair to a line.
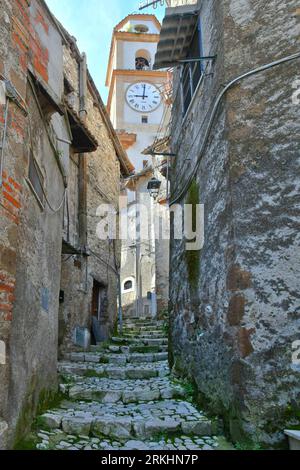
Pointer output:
x,y
57,209
103,261
215,109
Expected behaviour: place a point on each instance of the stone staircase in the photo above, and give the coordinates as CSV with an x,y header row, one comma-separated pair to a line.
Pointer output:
x,y
121,396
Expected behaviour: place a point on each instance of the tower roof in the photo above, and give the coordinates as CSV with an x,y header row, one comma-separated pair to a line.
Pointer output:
x,y
142,36
145,17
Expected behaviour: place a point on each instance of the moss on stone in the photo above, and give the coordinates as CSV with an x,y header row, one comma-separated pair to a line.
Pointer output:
x,y
145,349
193,258
91,373
32,407
104,360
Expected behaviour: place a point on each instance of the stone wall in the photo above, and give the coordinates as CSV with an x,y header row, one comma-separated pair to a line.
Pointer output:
x,y
32,226
234,305
103,187
30,233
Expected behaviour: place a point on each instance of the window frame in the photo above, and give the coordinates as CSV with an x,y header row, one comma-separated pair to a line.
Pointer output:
x,y
132,289
41,179
188,72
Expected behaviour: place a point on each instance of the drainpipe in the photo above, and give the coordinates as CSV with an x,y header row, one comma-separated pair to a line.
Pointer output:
x,y
82,87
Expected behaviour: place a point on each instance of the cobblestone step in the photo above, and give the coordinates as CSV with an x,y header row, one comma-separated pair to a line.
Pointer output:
x,y
140,371
154,324
131,348
127,422
118,359
58,440
147,335
143,329
121,390
140,341
121,396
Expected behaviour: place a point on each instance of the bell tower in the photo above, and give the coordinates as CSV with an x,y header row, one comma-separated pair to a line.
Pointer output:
x,y
137,109
135,102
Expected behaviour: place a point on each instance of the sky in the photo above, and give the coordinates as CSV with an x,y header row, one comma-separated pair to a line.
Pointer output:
x,y
92,23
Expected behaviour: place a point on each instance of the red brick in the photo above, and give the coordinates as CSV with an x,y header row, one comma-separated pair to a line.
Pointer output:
x,y
7,279
11,212
16,185
7,288
6,307
41,69
7,316
12,200
11,298
17,40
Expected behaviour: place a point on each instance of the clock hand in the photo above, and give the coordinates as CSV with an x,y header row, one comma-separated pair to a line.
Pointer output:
x,y
141,96
144,92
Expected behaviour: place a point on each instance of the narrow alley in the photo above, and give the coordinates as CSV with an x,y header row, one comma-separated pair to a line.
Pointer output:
x,y
149,226
121,396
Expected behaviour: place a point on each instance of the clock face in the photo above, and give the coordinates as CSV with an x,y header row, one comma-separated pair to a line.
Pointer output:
x,y
143,97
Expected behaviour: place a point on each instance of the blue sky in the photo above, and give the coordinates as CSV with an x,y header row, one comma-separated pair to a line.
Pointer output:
x,y
92,22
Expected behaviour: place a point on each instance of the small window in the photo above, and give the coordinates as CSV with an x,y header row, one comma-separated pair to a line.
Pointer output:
x,y
144,119
36,179
142,59
141,63
146,310
141,28
128,285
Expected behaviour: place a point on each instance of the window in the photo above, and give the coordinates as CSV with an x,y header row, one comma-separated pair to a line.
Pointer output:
x,y
191,71
36,179
146,310
144,119
141,28
142,60
128,285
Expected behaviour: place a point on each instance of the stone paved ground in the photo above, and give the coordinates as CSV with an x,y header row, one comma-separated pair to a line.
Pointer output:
x,y
121,396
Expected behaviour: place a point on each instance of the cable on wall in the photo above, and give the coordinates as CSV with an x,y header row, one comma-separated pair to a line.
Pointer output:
x,y
215,109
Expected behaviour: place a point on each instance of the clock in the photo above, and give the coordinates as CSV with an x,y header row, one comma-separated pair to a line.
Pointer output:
x,y
143,97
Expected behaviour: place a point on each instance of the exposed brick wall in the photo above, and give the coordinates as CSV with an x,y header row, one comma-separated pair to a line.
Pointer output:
x,y
11,198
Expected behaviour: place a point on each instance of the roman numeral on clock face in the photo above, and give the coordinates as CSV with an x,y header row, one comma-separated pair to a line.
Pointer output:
x,y
143,97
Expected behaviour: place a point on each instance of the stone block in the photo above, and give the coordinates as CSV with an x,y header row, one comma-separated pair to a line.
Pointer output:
x,y
141,373
92,358
113,427
78,425
140,395
51,421
199,428
155,426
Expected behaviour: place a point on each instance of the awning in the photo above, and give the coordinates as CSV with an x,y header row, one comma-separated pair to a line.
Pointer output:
x,y
82,140
69,249
177,32
161,146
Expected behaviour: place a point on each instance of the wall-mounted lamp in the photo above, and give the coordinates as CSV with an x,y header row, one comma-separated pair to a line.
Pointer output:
x,y
154,187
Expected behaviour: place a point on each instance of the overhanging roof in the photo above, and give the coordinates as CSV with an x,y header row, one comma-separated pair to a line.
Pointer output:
x,y
177,32
82,139
161,146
